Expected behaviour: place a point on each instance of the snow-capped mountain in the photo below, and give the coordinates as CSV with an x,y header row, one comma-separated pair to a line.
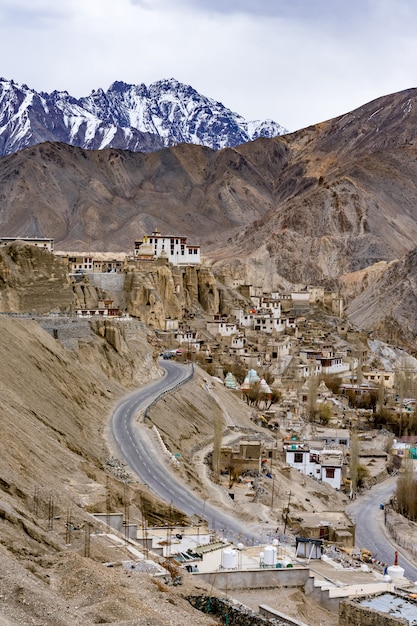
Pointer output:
x,y
132,117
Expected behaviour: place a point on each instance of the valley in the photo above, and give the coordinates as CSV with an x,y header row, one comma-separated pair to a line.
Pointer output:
x,y
275,279
62,455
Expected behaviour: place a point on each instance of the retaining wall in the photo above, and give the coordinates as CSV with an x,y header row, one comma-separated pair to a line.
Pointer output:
x,y
256,579
350,614
233,614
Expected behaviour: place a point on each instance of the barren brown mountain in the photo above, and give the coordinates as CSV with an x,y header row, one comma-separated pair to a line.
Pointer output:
x,y
343,192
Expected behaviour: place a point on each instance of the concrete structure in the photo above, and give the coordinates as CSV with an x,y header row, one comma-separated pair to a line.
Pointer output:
x,y
386,609
40,242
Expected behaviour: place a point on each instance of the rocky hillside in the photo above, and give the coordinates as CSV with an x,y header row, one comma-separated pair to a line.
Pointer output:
x,y
303,208
387,300
58,467
33,280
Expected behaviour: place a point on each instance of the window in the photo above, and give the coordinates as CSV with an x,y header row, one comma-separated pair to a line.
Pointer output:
x,y
298,457
329,472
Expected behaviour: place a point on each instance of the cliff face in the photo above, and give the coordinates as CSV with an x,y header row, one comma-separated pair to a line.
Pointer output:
x,y
32,280
388,301
163,292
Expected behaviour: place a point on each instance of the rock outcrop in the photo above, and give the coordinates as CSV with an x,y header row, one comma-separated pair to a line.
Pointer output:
x,y
33,280
165,292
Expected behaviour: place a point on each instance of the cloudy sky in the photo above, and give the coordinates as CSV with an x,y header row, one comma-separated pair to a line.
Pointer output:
x,y
295,61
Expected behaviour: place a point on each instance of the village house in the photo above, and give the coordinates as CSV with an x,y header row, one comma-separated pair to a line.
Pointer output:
x,y
324,465
299,369
332,526
220,325
171,325
358,391
377,377
189,338
93,262
105,308
252,293
339,437
246,457
279,349
268,321
323,361
238,346
174,248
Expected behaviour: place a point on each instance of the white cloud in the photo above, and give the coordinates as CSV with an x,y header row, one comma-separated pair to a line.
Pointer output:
x,y
296,61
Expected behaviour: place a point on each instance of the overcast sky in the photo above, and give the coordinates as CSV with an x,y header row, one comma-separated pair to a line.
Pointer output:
x,y
297,62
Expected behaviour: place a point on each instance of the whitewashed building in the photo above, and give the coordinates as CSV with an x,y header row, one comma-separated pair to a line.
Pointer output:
x,y
324,465
221,326
175,248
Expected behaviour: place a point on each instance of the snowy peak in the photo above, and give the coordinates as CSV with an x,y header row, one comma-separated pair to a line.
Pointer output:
x,y
132,117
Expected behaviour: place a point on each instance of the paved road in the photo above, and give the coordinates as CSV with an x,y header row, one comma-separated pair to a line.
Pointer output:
x,y
370,530
151,465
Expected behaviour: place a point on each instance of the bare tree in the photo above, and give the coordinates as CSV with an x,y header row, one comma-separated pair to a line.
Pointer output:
x,y
313,385
407,490
354,463
217,442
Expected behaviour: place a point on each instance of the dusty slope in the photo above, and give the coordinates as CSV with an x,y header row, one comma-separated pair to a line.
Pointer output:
x,y
55,407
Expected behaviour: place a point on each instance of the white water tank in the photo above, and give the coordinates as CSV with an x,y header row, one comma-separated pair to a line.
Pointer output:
x,y
229,558
270,555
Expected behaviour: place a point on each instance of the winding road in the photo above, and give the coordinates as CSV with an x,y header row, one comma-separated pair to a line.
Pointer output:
x,y
147,461
137,449
370,528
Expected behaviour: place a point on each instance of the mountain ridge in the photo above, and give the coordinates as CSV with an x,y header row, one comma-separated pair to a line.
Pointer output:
x,y
131,117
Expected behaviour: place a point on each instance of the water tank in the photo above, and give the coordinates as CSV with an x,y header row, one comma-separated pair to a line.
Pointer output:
x,y
229,558
270,555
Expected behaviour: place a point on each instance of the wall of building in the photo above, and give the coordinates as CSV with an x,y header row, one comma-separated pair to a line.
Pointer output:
x,y
257,579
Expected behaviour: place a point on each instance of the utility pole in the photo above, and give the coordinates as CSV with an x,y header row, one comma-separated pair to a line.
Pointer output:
x,y
51,512
287,512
